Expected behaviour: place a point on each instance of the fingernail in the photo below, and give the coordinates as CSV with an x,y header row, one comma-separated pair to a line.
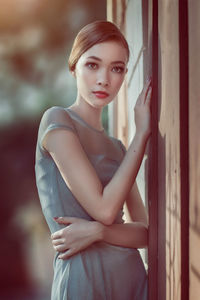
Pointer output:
x,y
148,80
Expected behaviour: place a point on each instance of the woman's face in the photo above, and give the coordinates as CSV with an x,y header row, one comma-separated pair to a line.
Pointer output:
x,y
100,72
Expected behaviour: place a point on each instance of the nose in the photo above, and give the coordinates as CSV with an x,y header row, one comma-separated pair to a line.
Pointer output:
x,y
103,79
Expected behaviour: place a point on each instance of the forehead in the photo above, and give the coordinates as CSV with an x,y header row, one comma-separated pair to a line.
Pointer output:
x,y
107,51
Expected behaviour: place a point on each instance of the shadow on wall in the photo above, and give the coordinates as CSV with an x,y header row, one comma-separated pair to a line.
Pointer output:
x,y
195,225
161,189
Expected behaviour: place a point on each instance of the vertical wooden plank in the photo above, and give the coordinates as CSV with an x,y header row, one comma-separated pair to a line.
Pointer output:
x,y
112,107
117,109
153,166
184,147
122,123
169,202
194,146
135,75
133,19
122,132
137,37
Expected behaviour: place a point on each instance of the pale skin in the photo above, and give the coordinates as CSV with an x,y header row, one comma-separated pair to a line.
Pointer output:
x,y
101,68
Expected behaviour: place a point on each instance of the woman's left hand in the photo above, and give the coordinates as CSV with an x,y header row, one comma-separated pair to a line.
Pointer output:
x,y
76,236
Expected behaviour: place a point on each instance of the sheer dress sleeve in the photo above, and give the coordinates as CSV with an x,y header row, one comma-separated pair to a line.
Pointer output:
x,y
54,118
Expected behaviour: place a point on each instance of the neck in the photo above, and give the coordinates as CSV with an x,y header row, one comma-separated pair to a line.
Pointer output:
x,y
90,114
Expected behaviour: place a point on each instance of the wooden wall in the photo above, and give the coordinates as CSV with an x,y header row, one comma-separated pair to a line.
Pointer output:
x,y
179,123
117,110
194,147
172,175
169,200
130,17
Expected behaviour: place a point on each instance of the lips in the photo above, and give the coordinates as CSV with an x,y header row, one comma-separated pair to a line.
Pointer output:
x,y
101,94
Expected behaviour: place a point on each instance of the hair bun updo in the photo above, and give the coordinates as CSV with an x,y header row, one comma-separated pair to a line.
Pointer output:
x,y
92,34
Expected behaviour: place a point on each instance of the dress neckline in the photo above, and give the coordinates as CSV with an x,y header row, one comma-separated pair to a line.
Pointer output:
x,y
83,121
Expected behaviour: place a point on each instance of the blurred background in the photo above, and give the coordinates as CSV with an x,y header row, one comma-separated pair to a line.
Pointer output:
x,y
35,40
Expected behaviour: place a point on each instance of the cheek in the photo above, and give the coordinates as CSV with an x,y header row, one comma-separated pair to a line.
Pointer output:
x,y
84,77
118,80
80,80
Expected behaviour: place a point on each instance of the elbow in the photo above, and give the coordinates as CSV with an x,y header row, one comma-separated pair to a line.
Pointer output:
x,y
106,218
145,236
107,222
142,241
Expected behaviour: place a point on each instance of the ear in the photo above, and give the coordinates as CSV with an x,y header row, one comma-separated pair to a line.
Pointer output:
x,y
73,73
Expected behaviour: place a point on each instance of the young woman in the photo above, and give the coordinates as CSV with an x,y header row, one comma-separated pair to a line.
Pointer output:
x,y
84,177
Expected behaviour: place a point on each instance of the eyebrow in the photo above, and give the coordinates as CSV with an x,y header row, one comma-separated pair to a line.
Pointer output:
x,y
113,62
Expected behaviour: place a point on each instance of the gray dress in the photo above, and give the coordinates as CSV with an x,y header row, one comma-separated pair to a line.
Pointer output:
x,y
102,271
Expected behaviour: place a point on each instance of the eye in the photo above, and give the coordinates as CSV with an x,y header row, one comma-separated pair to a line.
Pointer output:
x,y
118,69
92,66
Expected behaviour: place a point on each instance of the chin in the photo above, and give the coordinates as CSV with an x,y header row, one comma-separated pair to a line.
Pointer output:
x,y
101,104
98,106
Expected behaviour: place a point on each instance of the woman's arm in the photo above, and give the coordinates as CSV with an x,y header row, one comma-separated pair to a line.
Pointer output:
x,y
134,233
81,233
134,208
101,203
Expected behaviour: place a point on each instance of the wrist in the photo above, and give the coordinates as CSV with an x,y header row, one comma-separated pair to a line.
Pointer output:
x,y
99,231
142,136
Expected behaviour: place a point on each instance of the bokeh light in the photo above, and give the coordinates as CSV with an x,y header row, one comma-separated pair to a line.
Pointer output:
x,y
35,39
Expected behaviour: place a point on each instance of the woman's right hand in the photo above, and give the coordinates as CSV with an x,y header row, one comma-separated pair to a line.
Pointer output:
x,y
142,111
76,236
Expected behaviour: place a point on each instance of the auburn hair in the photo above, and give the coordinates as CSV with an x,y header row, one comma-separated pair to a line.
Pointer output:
x,y
92,34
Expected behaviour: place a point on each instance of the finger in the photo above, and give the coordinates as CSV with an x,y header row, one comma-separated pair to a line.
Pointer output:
x,y
64,220
60,248
56,242
148,96
148,82
146,87
67,254
57,234
143,94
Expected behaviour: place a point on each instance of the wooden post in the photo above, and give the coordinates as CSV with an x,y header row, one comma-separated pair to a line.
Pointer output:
x,y
169,200
194,147
117,110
